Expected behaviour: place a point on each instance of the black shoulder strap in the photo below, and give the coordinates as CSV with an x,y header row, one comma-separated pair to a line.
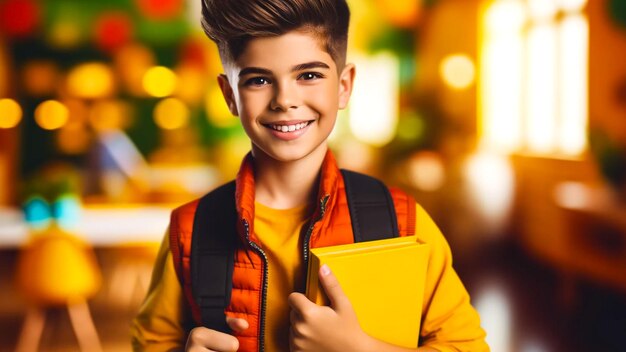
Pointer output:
x,y
372,211
213,245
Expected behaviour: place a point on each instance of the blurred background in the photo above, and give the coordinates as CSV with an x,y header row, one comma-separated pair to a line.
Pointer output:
x,y
506,119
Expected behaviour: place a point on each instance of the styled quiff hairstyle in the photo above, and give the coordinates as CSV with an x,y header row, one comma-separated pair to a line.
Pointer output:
x,y
231,24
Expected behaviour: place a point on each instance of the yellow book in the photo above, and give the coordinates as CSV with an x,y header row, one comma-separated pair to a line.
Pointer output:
x,y
384,281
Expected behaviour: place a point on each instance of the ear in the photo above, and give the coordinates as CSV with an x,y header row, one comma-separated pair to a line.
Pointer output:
x,y
227,92
346,81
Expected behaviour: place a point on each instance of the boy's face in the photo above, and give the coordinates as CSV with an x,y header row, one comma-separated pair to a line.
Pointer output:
x,y
287,90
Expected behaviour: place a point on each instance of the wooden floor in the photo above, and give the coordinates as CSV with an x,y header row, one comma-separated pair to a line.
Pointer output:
x,y
520,301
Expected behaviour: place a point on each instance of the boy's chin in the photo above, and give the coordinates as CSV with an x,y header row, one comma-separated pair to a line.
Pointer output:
x,y
290,155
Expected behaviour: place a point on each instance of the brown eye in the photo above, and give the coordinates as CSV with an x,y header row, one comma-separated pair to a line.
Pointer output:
x,y
308,76
257,81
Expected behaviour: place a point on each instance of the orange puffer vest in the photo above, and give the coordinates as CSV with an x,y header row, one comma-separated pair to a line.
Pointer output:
x,y
330,225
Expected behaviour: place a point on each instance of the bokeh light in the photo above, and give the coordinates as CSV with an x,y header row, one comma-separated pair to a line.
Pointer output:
x,y
411,127
51,115
491,186
74,139
10,113
78,109
171,114
571,195
160,9
401,13
217,110
113,30
107,115
40,77
65,34
66,210
374,103
457,71
192,83
37,212
159,81
91,80
132,61
427,171
19,17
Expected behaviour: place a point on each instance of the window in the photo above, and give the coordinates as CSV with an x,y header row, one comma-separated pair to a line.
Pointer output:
x,y
533,85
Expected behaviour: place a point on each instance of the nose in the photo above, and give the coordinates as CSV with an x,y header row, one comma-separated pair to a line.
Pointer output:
x,y
285,98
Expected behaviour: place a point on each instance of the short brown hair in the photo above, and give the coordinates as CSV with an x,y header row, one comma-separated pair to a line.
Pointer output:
x,y
231,24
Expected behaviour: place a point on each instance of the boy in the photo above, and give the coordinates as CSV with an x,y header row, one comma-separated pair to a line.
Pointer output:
x,y
286,78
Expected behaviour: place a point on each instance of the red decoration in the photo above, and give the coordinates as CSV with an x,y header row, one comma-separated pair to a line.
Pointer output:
x,y
113,30
18,18
160,9
193,53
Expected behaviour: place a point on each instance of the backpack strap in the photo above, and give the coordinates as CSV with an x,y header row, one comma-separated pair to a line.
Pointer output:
x,y
213,246
372,210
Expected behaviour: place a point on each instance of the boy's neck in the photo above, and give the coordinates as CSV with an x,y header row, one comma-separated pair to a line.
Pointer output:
x,y
286,185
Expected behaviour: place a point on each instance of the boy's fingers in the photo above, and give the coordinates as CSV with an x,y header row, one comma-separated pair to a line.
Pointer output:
x,y
332,288
237,324
299,303
212,340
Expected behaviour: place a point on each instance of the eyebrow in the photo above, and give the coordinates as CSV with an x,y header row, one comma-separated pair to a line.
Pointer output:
x,y
296,68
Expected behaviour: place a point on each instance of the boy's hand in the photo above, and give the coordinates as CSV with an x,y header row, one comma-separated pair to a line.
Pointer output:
x,y
321,328
202,339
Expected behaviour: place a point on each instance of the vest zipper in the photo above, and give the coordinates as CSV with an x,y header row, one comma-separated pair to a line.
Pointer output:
x,y
309,232
263,291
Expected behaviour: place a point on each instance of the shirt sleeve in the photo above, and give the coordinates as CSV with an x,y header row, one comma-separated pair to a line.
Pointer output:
x,y
449,322
159,325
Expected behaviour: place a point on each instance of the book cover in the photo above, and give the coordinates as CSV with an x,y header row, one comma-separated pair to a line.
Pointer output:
x,y
384,281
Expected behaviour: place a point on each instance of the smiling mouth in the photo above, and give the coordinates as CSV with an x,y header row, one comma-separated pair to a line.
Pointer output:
x,y
288,127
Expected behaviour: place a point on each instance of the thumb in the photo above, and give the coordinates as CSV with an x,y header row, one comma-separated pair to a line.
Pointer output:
x,y
337,297
237,324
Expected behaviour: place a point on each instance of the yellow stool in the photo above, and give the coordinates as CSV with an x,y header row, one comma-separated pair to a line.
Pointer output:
x,y
56,269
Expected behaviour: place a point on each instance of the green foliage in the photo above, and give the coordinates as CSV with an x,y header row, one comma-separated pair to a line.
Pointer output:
x,y
611,157
617,11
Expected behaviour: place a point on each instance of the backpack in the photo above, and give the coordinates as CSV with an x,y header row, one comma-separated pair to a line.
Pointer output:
x,y
372,215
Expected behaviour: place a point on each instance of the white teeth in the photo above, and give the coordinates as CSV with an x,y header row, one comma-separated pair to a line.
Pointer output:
x,y
289,128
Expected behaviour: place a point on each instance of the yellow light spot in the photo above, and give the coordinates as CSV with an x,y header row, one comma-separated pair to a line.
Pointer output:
x,y
192,84
171,113
10,113
217,110
108,115
132,62
159,81
90,80
51,115
457,71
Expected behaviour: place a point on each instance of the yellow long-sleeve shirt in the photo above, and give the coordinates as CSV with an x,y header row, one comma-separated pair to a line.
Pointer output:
x,y
449,322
